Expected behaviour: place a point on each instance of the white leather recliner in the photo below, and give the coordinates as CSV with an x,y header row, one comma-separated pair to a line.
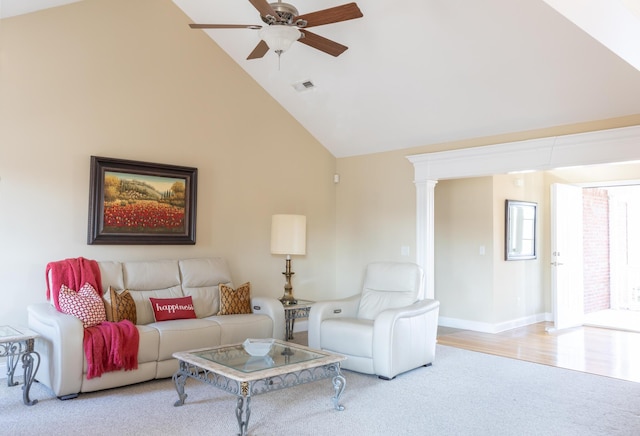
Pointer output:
x,y
386,330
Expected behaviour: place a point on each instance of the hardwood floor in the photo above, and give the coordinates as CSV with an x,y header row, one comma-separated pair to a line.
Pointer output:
x,y
594,350
601,351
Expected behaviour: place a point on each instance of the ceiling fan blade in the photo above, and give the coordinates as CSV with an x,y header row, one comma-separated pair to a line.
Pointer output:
x,y
264,8
345,12
225,26
261,49
321,43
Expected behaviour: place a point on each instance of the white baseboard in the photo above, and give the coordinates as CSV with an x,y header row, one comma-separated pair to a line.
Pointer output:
x,y
485,327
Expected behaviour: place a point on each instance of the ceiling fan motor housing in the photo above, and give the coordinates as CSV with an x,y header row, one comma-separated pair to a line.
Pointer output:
x,y
286,13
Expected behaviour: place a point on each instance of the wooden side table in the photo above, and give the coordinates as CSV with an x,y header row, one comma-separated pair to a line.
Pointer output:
x,y
294,311
17,344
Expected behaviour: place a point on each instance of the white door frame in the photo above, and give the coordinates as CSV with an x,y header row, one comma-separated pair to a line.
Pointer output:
x,y
599,147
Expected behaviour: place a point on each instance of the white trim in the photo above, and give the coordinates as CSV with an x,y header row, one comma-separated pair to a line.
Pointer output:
x,y
425,244
604,146
485,327
600,147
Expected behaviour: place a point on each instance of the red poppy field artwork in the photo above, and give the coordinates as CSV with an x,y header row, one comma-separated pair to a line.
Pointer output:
x,y
133,202
148,204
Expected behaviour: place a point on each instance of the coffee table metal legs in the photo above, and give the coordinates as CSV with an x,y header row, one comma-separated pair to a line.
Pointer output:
x,y
245,390
180,379
339,384
243,410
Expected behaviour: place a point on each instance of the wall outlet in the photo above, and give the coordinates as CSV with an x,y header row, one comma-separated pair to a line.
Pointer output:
x,y
404,250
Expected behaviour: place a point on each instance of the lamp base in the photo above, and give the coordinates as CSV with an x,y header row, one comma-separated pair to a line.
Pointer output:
x,y
288,300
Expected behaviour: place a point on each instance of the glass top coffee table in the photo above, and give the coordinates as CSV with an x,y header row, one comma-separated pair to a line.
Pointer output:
x,y
232,369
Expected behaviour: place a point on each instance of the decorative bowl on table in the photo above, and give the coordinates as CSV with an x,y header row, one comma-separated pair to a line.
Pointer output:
x,y
257,347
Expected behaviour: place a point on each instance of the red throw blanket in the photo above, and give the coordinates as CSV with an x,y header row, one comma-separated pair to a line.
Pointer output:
x,y
74,273
111,346
108,346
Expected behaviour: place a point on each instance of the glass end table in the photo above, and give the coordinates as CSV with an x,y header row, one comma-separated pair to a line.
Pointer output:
x,y
18,344
292,312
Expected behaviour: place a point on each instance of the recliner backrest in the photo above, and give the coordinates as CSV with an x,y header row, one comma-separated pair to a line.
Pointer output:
x,y
390,285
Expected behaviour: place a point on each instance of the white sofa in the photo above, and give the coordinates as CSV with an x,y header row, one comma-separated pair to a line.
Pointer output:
x,y
63,364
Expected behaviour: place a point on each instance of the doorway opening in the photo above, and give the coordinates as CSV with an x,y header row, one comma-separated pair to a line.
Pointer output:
x,y
611,219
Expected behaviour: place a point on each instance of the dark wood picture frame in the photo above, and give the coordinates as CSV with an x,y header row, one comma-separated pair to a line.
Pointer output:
x,y
145,203
520,230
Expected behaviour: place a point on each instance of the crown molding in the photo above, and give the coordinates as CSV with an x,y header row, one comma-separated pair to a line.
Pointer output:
x,y
590,148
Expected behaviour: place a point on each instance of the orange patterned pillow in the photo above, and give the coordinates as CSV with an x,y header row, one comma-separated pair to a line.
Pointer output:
x,y
85,304
122,306
235,301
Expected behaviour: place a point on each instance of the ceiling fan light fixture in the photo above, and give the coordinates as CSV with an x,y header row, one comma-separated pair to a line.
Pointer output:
x,y
279,37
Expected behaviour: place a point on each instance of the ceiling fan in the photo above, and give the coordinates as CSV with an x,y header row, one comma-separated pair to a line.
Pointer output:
x,y
285,26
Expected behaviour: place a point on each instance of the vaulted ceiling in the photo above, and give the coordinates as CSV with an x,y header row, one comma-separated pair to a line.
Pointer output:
x,y
420,72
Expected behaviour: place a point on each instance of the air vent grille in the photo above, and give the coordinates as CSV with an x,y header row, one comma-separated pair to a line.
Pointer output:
x,y
305,85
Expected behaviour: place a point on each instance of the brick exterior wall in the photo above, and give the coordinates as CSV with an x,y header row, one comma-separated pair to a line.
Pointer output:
x,y
597,293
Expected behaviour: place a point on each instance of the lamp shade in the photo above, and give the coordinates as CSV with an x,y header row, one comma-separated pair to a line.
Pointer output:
x,y
279,37
288,234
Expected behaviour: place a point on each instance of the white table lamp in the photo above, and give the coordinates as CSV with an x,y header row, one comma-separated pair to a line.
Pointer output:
x,y
289,237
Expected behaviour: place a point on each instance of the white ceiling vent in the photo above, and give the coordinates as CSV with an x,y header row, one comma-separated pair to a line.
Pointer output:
x,y
305,85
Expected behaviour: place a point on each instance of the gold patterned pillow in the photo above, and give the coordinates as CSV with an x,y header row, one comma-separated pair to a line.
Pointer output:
x,y
122,306
235,301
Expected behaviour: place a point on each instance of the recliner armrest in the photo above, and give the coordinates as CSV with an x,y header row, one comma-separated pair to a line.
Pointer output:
x,y
415,324
344,308
416,309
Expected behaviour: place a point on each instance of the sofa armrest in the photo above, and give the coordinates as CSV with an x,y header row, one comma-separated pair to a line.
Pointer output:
x,y
60,346
344,308
272,308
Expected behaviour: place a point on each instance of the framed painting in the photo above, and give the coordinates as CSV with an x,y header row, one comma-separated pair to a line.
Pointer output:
x,y
133,202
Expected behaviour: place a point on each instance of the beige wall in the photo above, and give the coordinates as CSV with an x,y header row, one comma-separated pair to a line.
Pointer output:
x,y
376,215
129,79
464,223
519,286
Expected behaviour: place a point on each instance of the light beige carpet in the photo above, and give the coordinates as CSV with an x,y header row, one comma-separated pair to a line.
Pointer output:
x,y
463,393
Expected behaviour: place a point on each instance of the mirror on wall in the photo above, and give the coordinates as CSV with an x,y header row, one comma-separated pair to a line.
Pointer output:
x,y
520,230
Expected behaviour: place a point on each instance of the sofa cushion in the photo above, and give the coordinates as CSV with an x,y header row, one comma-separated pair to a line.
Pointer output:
x,y
236,328
84,304
206,300
166,309
143,305
147,276
347,335
111,276
148,346
235,301
120,305
389,285
200,280
184,335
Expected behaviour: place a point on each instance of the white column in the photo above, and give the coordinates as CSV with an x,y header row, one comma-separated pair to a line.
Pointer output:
x,y
425,232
